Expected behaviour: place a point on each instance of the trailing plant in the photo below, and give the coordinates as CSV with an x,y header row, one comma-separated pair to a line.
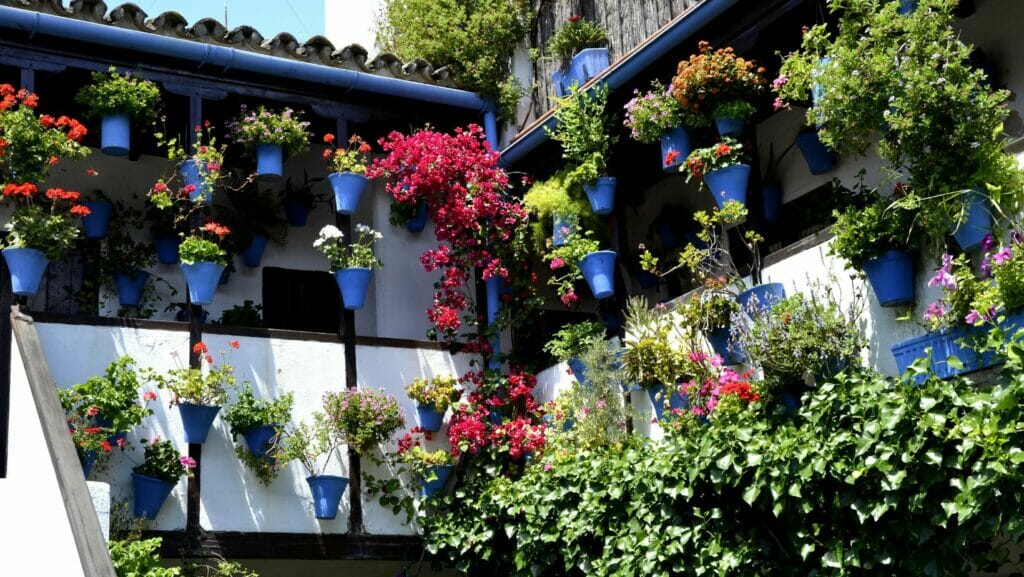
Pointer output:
x,y
358,254
113,93
110,401
864,233
576,34
33,144
963,300
352,159
363,418
309,443
653,113
712,77
565,265
440,391
584,128
194,385
573,339
711,158
209,157
262,126
562,196
248,413
480,37
162,461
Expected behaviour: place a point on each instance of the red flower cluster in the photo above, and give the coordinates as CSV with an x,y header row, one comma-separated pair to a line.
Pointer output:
x,y
27,189
57,194
722,150
218,229
75,130
741,389
9,97
671,157
473,429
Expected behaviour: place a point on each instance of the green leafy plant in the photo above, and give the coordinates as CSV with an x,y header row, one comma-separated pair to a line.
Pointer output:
x,y
710,158
247,314
573,339
48,226
653,113
740,109
162,461
596,409
209,387
33,144
358,254
309,443
263,126
199,246
420,460
352,159
864,233
209,157
584,128
711,263
711,309
248,413
561,195
565,261
440,391
111,399
139,558
113,93
575,35
363,418
652,352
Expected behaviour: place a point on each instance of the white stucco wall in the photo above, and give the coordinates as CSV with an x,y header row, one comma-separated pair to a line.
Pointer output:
x,y
36,536
232,497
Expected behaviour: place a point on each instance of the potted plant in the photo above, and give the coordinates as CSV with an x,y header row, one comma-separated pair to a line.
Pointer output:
x,y
117,99
247,314
97,222
348,171
198,393
124,260
156,477
880,240
363,418
584,131
580,47
203,261
299,199
273,136
431,468
310,443
651,357
711,312
569,342
656,116
718,84
200,170
724,170
818,157
261,423
433,397
580,258
42,225
559,201
352,264
255,220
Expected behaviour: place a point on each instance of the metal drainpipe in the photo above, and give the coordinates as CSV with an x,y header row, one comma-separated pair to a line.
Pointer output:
x,y
494,285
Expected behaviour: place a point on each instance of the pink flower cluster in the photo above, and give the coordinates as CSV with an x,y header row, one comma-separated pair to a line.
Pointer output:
x,y
502,415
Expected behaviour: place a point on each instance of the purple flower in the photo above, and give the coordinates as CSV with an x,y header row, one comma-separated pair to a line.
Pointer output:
x,y
1003,255
988,242
944,277
779,82
986,269
935,312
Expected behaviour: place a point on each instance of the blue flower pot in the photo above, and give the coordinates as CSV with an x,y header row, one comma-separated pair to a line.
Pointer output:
x,y
259,440
418,222
150,495
296,212
646,279
907,6
130,286
192,172
27,266
558,80
167,248
115,137
760,299
429,417
819,158
87,460
676,401
944,344
197,419
587,63
348,189
892,278
721,342
440,474
601,194
253,256
98,219
977,223
599,270
729,183
676,139
353,283
269,162
202,278
327,491
730,126
772,194
562,228
579,370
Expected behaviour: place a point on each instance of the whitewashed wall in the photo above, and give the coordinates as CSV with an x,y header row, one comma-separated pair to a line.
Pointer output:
x,y
36,535
232,497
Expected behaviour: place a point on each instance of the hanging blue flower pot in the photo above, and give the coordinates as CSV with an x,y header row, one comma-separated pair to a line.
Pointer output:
x,y
819,158
353,283
98,219
115,137
562,228
253,256
418,222
586,64
599,270
150,495
730,126
721,342
676,141
430,418
129,287
906,7
348,189
601,194
579,370
269,162
202,278
27,266
87,460
772,195
193,172
167,248
676,401
260,439
761,298
296,211
197,419
729,183
977,223
327,491
892,277
440,474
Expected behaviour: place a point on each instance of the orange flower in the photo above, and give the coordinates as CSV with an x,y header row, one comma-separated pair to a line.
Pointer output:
x,y
199,348
328,138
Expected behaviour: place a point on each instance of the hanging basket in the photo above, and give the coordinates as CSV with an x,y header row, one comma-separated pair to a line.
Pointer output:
x,y
202,278
891,276
129,287
269,162
196,420
353,283
26,266
599,270
348,189
327,491
601,194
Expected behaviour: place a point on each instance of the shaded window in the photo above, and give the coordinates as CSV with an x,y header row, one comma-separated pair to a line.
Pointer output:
x,y
300,300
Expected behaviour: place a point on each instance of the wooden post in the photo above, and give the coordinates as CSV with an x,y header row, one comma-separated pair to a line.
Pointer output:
x,y
195,336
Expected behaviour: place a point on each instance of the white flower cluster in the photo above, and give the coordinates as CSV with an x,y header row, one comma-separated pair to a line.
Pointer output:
x,y
366,232
327,234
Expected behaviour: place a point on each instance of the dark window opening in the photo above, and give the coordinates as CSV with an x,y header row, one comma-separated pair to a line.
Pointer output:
x,y
300,300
